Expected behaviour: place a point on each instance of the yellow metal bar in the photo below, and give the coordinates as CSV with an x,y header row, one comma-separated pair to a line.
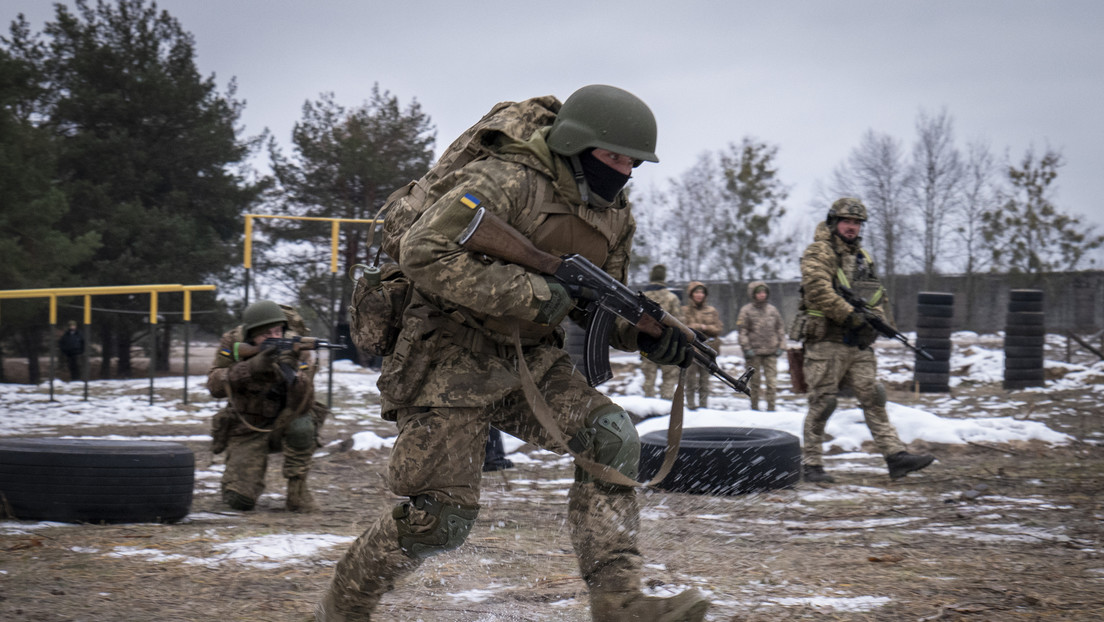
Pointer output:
x,y
314,218
153,308
187,305
248,261
53,310
87,309
334,233
96,291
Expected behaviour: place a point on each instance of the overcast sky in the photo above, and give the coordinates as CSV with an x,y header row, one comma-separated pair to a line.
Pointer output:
x,y
809,77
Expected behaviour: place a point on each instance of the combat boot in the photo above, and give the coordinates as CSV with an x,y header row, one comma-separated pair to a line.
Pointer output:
x,y
815,473
689,606
902,463
299,497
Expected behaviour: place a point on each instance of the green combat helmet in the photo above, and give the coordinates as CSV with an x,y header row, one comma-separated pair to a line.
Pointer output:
x,y
261,313
605,117
846,207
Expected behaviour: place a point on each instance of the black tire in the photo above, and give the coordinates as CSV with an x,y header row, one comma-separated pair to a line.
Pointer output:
x,y
1029,306
1025,295
1023,352
933,367
935,298
1024,341
1010,385
930,378
924,321
1024,318
95,481
1023,363
1025,374
1025,331
929,332
935,310
933,388
725,461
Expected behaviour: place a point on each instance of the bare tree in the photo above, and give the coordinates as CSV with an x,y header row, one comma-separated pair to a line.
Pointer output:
x,y
979,193
936,171
875,172
689,211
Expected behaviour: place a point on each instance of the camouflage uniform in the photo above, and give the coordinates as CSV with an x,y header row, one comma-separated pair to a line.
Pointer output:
x,y
830,359
705,319
657,291
256,421
762,336
454,373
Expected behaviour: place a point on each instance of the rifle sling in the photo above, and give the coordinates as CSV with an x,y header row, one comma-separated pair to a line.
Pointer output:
x,y
603,472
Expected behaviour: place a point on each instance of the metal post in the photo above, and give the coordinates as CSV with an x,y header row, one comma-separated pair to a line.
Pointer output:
x,y
333,336
84,357
187,338
52,345
152,359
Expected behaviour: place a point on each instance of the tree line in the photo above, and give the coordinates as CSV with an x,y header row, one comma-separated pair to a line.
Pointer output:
x,y
121,164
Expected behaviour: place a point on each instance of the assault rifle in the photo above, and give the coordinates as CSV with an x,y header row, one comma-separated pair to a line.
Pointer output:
x,y
607,298
877,323
288,344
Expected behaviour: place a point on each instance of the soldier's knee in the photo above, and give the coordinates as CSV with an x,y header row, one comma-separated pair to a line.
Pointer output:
x,y
611,439
428,527
879,394
300,434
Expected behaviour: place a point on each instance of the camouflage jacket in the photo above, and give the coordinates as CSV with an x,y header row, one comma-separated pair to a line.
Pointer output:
x,y
830,261
760,324
258,401
665,298
703,317
471,302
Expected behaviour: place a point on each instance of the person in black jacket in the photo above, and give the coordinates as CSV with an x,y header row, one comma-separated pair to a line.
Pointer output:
x,y
71,344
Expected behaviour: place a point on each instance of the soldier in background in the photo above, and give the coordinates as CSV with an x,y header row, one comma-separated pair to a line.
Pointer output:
x,y
71,344
837,340
705,319
270,408
657,291
761,337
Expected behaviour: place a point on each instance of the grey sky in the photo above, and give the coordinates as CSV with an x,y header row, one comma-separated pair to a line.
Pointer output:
x,y
809,77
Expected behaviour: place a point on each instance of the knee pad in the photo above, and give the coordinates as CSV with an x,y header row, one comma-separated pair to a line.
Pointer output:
x,y
428,527
238,501
879,394
299,434
611,438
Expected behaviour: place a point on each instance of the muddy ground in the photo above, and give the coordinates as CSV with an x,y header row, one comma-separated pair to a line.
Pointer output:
x,y
989,533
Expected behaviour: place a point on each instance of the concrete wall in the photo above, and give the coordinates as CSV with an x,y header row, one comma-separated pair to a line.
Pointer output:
x,y
1073,300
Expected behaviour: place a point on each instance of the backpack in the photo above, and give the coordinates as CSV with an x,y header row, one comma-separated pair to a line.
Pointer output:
x,y
382,293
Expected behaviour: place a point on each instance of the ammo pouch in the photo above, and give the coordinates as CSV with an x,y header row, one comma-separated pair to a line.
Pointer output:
x,y
405,372
380,296
809,326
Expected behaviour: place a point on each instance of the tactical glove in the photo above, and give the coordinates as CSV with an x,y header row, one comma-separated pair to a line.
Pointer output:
x,y
748,353
778,352
855,321
670,348
262,365
553,310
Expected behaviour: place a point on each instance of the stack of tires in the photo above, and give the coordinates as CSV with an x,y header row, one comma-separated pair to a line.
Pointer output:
x,y
1024,337
934,313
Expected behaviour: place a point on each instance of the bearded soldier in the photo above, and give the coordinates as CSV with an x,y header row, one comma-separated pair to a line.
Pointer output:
x,y
837,340
454,372
270,407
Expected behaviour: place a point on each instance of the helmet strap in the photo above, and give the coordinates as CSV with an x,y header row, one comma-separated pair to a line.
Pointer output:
x,y
580,178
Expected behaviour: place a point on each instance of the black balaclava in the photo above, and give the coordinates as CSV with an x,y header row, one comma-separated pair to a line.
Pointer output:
x,y
602,179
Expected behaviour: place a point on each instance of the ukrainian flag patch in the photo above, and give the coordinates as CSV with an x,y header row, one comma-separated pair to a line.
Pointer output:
x,y
470,200
226,352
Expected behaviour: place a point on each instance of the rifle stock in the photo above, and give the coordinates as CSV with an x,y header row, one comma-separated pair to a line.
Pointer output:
x,y
607,297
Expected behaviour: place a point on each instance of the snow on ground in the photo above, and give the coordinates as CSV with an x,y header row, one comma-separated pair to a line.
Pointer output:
x,y
28,410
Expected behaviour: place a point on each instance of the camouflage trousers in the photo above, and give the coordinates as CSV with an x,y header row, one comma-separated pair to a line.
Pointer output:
x,y
766,372
697,387
667,384
829,365
247,460
439,452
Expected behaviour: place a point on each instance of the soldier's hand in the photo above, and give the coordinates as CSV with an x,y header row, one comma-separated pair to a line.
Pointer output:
x,y
670,348
553,310
855,321
262,365
289,358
